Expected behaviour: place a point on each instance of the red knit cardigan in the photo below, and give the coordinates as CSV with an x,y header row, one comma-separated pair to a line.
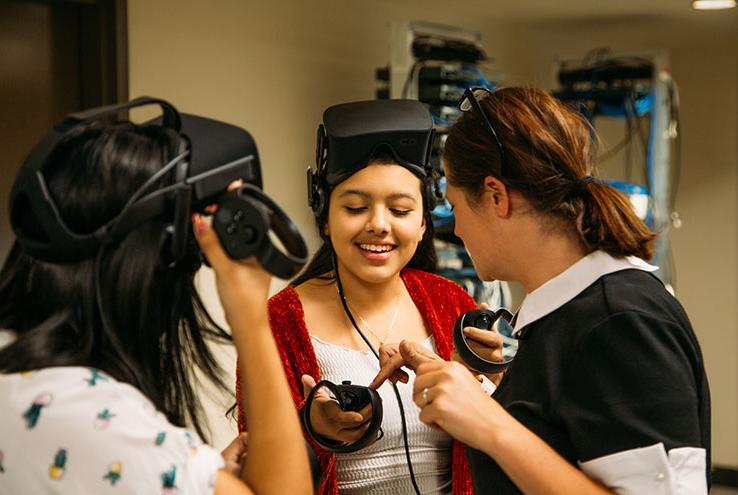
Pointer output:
x,y
439,301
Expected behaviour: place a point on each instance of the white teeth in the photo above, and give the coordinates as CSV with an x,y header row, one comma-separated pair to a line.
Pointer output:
x,y
376,248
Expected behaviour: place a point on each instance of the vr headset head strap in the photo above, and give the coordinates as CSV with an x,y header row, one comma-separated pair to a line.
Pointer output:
x,y
59,243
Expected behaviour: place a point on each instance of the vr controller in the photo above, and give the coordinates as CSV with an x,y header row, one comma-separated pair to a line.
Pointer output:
x,y
483,319
350,398
243,220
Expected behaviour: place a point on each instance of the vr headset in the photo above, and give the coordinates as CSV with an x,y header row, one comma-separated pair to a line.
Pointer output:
x,y
351,133
206,157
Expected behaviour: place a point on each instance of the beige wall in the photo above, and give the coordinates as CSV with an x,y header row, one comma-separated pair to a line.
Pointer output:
x,y
274,69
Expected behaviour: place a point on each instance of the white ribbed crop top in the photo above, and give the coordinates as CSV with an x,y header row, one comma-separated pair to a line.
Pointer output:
x,y
382,467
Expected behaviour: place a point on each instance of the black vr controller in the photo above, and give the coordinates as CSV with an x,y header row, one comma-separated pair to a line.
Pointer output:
x,y
350,398
243,221
483,319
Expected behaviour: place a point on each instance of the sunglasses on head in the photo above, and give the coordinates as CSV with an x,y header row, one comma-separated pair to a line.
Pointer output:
x,y
470,101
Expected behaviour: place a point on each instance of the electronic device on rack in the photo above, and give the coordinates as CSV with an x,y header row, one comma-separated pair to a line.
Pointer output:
x,y
434,64
440,47
638,90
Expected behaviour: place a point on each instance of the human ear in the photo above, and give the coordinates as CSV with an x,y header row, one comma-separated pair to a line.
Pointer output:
x,y
499,194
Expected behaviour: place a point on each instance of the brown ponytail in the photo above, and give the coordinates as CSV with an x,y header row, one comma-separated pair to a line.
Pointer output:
x,y
549,150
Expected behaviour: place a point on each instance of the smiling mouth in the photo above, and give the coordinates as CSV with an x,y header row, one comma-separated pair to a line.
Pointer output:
x,y
377,248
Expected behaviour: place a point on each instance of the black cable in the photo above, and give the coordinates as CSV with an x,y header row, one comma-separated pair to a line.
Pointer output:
x,y
408,79
394,387
676,169
631,113
675,120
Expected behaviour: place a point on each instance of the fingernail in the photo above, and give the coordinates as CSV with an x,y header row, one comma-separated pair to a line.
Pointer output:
x,y
198,223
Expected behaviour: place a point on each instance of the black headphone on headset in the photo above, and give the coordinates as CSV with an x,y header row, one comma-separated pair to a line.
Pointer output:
x,y
351,133
205,157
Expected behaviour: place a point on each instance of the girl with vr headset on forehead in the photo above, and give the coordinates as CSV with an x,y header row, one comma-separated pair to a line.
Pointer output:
x,y
95,392
370,195
607,392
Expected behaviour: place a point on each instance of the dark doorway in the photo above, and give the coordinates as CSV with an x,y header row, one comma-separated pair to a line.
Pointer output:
x,y
56,57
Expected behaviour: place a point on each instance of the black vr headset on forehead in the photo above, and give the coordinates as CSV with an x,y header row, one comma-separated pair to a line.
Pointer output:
x,y
205,156
352,133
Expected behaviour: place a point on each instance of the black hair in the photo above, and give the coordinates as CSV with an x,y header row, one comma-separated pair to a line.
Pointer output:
x,y
155,325
322,266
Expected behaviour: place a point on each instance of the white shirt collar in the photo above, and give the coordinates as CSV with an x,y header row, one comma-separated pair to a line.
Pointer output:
x,y
568,284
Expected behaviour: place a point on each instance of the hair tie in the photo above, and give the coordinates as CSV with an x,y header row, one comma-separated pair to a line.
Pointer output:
x,y
580,186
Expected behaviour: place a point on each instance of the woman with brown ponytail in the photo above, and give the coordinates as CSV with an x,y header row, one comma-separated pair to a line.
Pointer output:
x,y
607,393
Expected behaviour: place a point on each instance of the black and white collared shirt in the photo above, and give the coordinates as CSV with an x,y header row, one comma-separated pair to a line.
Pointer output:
x,y
609,373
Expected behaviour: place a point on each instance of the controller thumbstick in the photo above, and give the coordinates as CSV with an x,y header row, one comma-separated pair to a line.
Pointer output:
x,y
249,234
346,382
483,321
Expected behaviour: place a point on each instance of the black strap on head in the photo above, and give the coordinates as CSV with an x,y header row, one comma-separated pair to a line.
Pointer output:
x,y
57,242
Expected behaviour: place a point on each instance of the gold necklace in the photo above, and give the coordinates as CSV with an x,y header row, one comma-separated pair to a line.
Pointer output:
x,y
369,328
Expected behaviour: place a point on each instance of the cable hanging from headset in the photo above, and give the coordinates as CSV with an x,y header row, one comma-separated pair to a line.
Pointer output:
x,y
151,180
342,297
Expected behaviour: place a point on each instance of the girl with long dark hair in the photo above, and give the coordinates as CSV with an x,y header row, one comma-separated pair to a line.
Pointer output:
x,y
97,379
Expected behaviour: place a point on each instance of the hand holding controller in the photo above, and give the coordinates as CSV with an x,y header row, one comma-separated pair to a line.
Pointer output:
x,y
342,418
353,397
484,320
243,220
